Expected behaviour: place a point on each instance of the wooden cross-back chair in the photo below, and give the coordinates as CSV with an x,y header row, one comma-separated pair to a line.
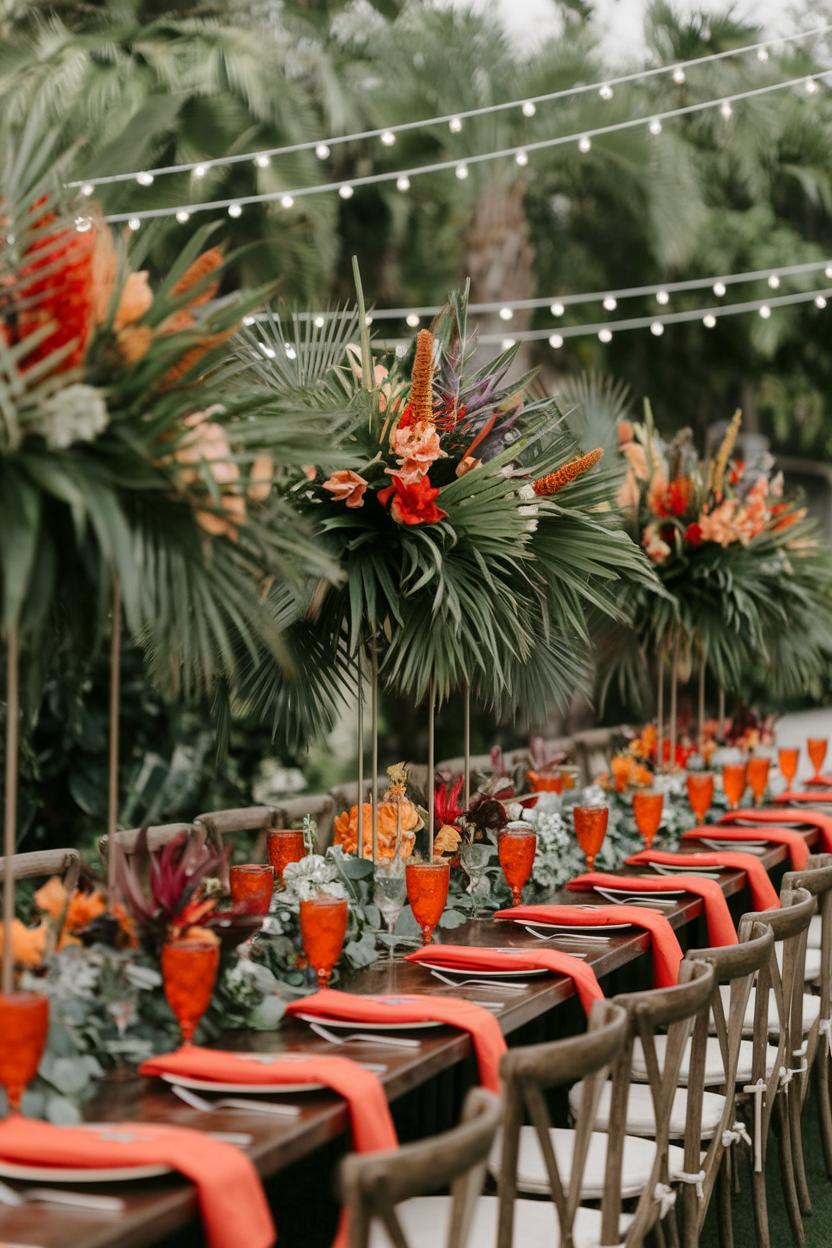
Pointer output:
x,y
42,862
384,1193
127,841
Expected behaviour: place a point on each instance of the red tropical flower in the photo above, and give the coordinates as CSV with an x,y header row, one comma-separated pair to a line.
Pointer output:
x,y
414,503
693,535
56,287
446,805
674,499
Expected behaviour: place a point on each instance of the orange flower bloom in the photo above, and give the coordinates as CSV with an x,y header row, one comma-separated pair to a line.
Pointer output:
x,y
135,300
447,840
556,481
412,504
28,943
346,829
51,898
421,390
347,487
201,268
416,447
82,909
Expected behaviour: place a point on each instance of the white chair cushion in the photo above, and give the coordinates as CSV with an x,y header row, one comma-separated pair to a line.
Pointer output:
x,y
812,971
815,930
714,1070
811,1010
640,1117
636,1168
425,1224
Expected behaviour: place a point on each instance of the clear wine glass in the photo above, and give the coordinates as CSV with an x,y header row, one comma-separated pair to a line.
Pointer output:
x,y
474,856
389,894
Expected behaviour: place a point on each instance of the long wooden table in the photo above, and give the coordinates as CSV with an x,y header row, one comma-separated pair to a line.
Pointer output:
x,y
158,1209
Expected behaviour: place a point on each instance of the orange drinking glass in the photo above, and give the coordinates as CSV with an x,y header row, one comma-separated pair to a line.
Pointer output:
x,y
323,926
189,973
24,1019
284,845
700,793
758,769
787,762
516,849
547,781
733,783
427,892
590,830
252,885
647,811
816,748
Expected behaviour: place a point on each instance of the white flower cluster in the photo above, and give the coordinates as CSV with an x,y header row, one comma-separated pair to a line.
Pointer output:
x,y
529,506
77,413
308,878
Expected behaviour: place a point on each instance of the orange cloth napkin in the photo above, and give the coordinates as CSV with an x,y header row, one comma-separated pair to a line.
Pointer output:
x,y
815,818
483,1028
721,930
372,1126
763,893
477,958
667,953
794,842
235,1213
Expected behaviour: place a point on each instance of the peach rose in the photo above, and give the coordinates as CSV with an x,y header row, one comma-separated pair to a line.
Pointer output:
x,y
416,447
347,487
654,546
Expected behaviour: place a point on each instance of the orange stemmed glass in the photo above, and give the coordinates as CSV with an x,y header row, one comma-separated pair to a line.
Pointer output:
x,y
758,769
700,793
647,811
733,783
787,762
252,885
284,845
189,974
24,1020
427,892
516,849
590,830
323,926
816,748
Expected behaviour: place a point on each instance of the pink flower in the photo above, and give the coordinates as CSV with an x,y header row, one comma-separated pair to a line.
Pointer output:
x,y
655,547
347,487
416,447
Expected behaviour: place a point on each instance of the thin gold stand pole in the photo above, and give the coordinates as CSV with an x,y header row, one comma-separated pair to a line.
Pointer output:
x,y
466,742
660,713
674,687
360,756
720,734
701,708
10,813
374,746
115,702
431,794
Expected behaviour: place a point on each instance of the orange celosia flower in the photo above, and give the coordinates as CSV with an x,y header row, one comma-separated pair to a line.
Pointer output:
x,y
347,487
421,389
201,268
28,943
545,487
346,829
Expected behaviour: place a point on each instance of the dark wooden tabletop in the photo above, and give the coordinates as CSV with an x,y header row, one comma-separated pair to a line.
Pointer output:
x,y
159,1208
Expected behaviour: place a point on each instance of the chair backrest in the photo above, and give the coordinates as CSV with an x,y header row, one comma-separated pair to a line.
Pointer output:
x,y
816,878
156,837
40,862
593,750
783,981
528,1075
241,819
321,808
345,796
372,1184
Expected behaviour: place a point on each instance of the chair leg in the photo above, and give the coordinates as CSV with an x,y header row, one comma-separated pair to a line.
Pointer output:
x,y
725,1225
758,1187
795,1126
787,1171
822,1063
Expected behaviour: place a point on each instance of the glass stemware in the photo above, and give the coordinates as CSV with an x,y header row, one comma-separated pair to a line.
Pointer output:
x,y
323,926
427,892
24,1020
189,975
816,748
700,793
758,769
474,857
252,885
390,894
733,783
284,845
590,830
516,849
787,760
647,812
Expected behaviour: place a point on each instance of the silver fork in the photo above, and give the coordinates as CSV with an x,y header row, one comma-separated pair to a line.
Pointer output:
x,y
572,953
639,899
480,983
55,1196
250,1105
360,1037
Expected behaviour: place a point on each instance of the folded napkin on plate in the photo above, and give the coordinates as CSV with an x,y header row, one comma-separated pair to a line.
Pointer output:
x,y
372,1126
225,1179
794,842
814,818
479,958
483,1028
667,953
763,893
721,930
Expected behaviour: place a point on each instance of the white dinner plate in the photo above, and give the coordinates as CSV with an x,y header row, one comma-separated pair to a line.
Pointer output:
x,y
254,1089
79,1174
636,892
574,929
467,972
759,824
667,868
347,1024
740,847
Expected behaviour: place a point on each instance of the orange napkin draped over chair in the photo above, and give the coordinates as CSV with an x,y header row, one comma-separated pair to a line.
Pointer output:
x,y
480,958
763,893
721,930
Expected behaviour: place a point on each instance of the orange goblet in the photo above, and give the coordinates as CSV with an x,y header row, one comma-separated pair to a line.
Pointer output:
x,y
323,926
787,762
590,830
647,811
189,974
427,892
733,783
816,748
547,781
252,885
284,845
758,769
516,849
700,793
24,1019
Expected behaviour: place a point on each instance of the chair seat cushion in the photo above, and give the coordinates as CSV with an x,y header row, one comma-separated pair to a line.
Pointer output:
x,y
815,930
811,1010
714,1070
812,967
636,1167
425,1220
641,1118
